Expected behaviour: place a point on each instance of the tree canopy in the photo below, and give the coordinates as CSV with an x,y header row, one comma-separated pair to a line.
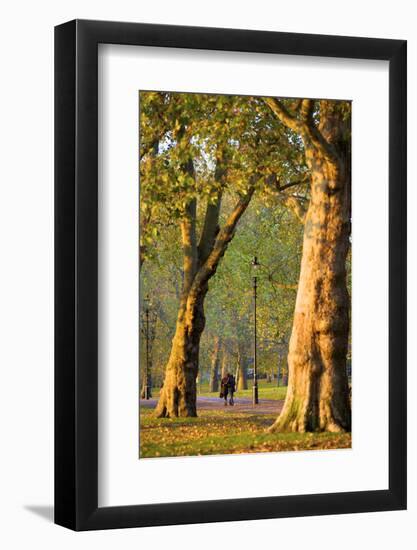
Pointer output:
x,y
207,151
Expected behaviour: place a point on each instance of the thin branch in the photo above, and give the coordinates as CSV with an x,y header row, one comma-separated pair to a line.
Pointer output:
x,y
303,126
291,184
299,197
277,284
273,180
307,106
283,285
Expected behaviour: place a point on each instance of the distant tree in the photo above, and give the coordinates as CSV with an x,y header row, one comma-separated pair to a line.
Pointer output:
x,y
215,364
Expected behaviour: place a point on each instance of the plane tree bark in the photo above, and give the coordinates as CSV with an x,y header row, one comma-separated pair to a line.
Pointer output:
x,y
178,396
318,395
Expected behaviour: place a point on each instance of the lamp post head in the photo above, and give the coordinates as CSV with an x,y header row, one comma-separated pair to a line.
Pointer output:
x,y
147,302
255,265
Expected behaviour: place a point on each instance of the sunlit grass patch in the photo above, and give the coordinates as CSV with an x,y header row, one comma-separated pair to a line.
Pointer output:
x,y
266,391
218,432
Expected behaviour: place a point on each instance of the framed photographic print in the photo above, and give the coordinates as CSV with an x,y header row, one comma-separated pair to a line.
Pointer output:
x,y
230,244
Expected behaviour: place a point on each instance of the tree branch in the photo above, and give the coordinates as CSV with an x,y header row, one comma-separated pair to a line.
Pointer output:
x,y
303,126
211,219
283,285
225,235
210,227
276,284
284,115
280,187
189,237
307,106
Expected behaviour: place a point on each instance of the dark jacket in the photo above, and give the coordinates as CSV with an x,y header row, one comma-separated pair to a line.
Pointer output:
x,y
228,385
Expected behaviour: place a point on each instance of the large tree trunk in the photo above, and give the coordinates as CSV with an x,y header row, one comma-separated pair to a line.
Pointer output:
x,y
318,396
178,396
179,393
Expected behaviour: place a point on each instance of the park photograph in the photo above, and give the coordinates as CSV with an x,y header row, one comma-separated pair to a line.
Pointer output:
x,y
244,274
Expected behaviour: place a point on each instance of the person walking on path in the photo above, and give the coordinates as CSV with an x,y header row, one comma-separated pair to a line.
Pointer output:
x,y
228,388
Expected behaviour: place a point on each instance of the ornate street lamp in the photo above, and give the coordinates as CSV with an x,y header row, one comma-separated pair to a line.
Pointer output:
x,y
255,265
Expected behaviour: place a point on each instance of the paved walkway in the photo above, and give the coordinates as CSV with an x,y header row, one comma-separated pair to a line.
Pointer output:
x,y
242,405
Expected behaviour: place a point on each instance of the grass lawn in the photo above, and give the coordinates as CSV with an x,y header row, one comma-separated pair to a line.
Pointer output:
x,y
217,432
266,391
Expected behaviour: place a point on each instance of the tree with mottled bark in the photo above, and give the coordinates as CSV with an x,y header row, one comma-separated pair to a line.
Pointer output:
x,y
196,151
201,258
318,395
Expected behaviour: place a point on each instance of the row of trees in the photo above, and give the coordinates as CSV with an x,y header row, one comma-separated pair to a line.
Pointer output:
x,y
207,164
227,340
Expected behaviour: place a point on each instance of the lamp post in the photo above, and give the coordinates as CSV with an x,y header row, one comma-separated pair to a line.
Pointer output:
x,y
255,267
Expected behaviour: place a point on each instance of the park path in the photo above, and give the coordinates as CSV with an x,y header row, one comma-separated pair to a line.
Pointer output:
x,y
242,405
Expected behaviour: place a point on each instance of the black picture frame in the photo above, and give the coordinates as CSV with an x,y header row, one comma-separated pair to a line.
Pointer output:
x,y
76,272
